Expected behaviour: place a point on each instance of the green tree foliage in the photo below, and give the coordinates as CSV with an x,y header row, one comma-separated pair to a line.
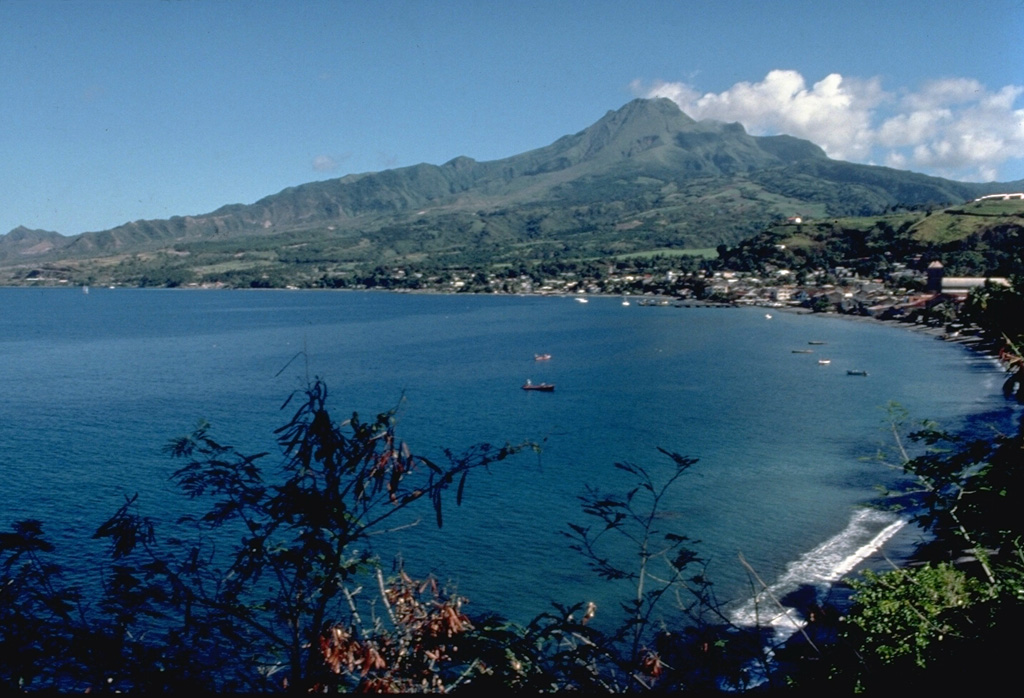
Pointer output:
x,y
909,621
998,310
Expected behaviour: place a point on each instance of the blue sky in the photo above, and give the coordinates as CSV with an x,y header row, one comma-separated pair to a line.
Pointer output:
x,y
119,110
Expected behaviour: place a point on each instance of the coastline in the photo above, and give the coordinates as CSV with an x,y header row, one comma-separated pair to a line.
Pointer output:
x,y
910,547
971,342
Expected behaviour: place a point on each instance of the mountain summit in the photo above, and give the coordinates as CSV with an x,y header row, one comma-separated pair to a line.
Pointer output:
x,y
645,176
656,134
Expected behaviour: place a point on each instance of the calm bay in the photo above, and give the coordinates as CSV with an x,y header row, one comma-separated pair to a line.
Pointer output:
x,y
93,385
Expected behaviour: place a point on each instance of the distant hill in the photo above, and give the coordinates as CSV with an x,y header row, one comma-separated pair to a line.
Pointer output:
x,y
643,177
977,238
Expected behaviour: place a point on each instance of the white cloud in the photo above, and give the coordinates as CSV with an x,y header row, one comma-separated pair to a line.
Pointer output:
x,y
954,128
324,163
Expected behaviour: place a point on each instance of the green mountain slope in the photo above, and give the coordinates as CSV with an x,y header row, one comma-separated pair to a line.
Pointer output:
x,y
979,238
643,177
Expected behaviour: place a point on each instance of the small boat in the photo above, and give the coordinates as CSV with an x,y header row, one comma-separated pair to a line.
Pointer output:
x,y
543,387
856,372
824,362
803,351
625,302
815,342
542,357
767,316
581,300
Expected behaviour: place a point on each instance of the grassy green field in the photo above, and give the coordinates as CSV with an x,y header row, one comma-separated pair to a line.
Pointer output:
x,y
703,252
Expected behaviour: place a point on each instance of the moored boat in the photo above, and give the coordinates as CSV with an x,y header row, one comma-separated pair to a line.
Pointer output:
x,y
542,357
856,372
543,387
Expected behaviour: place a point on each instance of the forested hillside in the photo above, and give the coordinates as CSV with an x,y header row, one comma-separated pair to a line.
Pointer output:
x,y
980,238
641,179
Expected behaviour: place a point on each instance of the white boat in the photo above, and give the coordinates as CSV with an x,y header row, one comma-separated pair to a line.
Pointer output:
x,y
581,300
824,362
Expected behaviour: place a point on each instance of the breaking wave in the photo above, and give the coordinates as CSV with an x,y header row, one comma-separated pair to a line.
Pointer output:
x,y
819,569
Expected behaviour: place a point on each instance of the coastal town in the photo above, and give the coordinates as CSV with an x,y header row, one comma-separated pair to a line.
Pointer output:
x,y
796,263
929,297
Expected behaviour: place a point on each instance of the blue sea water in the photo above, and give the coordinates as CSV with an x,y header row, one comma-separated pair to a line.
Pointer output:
x,y
93,386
